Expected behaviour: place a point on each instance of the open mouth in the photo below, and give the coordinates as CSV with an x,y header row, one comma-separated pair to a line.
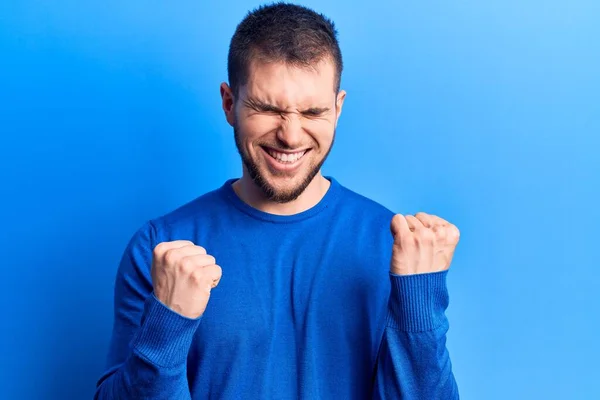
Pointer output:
x,y
285,158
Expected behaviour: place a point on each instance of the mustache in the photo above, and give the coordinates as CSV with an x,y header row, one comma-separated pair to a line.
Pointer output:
x,y
278,144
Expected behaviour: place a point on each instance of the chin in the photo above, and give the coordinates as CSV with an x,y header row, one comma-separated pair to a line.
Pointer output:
x,y
278,184
282,189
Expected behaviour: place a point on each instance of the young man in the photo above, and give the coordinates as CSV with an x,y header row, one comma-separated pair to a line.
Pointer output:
x,y
315,299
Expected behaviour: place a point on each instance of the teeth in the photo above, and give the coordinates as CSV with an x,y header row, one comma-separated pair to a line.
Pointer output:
x,y
286,158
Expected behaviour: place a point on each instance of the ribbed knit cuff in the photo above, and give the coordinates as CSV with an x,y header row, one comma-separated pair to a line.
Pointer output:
x,y
165,336
417,302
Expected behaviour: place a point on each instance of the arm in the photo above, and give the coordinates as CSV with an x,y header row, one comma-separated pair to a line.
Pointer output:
x,y
150,342
413,362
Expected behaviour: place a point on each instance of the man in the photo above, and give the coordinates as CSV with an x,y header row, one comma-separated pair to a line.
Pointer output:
x,y
315,298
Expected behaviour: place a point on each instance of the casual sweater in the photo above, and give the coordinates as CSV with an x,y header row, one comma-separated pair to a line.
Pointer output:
x,y
306,309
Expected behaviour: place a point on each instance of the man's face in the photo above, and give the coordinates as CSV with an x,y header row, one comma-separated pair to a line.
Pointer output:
x,y
284,122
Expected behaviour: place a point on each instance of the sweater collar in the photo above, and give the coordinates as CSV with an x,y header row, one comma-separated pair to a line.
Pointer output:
x,y
326,201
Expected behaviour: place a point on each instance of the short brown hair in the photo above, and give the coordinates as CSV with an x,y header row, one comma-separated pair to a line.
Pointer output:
x,y
282,32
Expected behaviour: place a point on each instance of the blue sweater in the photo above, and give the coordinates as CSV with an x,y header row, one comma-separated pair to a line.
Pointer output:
x,y
306,308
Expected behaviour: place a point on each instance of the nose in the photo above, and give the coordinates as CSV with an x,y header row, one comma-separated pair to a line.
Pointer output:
x,y
290,132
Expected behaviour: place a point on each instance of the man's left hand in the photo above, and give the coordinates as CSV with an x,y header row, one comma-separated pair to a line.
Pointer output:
x,y
423,243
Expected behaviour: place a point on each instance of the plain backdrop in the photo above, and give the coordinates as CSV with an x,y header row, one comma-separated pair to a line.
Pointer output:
x,y
486,113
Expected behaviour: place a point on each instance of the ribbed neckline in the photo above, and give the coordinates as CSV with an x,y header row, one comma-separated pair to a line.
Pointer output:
x,y
327,201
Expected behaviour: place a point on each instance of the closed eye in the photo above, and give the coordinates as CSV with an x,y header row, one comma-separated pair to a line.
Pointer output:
x,y
314,112
261,107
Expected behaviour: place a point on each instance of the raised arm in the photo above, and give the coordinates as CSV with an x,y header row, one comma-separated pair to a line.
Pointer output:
x,y
154,324
413,361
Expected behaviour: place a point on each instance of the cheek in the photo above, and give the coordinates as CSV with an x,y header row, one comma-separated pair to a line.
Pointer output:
x,y
256,126
321,131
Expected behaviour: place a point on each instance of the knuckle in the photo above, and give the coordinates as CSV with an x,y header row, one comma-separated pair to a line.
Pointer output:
x,y
182,268
454,232
206,260
170,257
421,214
439,231
201,249
196,278
200,278
158,250
410,242
440,237
186,264
427,236
214,272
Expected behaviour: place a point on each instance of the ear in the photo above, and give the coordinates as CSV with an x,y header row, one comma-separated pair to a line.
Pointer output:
x,y
339,104
228,103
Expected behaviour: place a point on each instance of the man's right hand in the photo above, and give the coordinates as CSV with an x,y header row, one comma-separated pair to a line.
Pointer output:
x,y
183,276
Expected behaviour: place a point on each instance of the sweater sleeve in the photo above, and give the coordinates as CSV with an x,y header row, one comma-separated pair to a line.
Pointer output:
x,y
149,344
413,361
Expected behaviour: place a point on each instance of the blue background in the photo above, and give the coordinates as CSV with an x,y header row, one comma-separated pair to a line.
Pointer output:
x,y
485,113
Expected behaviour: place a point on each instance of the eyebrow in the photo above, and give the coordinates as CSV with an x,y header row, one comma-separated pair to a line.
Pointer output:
x,y
266,107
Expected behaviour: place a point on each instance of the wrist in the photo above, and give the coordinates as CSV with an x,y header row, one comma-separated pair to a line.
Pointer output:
x,y
418,301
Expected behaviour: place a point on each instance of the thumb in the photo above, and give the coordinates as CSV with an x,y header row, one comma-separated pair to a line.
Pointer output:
x,y
399,226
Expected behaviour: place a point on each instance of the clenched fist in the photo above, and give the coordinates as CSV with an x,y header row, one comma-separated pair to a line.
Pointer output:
x,y
183,276
422,243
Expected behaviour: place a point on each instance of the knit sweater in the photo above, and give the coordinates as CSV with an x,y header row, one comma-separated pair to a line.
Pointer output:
x,y
306,309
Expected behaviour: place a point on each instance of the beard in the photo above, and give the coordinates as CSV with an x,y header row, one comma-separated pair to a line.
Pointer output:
x,y
272,193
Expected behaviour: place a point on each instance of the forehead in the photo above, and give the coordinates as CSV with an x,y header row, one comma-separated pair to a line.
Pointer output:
x,y
285,85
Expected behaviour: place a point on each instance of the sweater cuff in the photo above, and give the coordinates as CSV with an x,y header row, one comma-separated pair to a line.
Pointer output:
x,y
417,302
164,337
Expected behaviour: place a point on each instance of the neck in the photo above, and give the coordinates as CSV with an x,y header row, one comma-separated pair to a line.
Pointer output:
x,y
253,195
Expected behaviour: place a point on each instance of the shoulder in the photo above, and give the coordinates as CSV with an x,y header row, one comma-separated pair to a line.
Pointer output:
x,y
366,218
359,204
187,218
182,223
201,206
365,224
